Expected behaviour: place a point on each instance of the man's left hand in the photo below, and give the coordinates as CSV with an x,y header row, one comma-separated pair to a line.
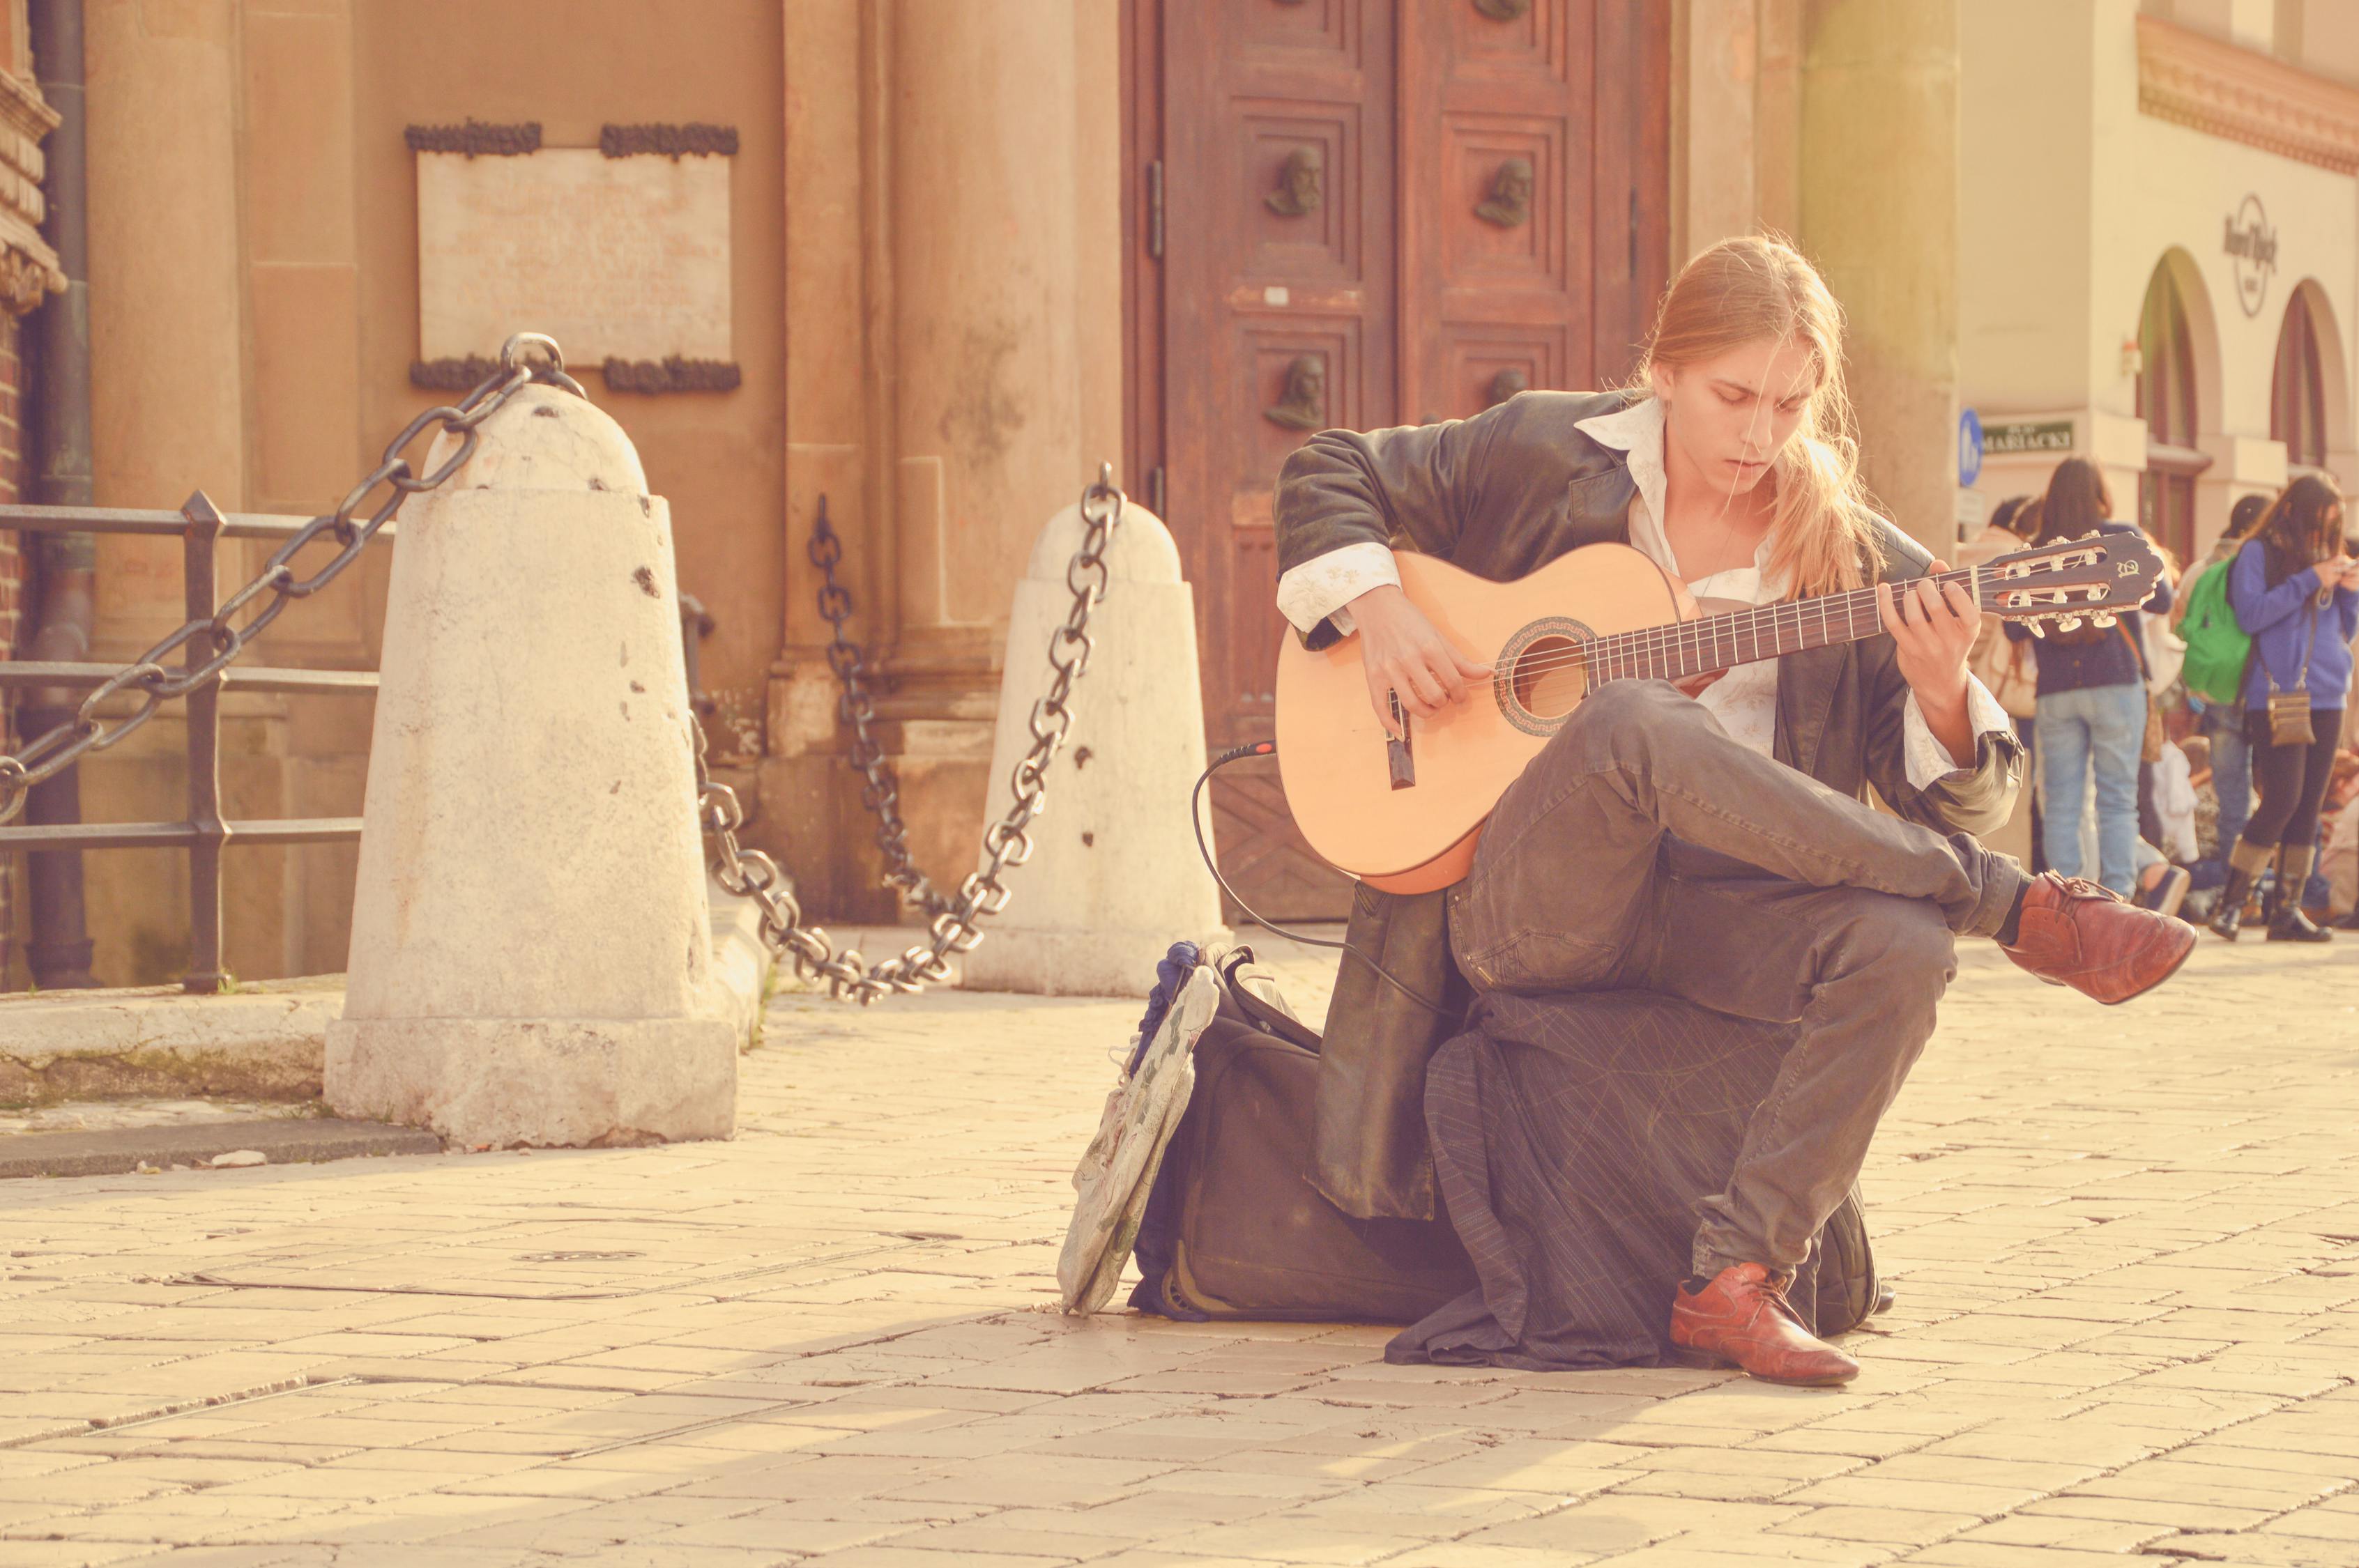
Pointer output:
x,y
1933,628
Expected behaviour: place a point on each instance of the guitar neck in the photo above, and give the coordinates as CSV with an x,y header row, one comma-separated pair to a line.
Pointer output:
x,y
1723,641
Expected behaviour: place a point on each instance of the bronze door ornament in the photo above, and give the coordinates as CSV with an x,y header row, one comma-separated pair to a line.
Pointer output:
x,y
1304,406
1506,383
1498,10
1299,182
1509,202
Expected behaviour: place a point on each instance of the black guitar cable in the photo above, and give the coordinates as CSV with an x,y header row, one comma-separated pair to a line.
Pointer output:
x,y
1196,818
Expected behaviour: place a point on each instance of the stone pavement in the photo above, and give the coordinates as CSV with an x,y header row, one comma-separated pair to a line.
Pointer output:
x,y
2125,1243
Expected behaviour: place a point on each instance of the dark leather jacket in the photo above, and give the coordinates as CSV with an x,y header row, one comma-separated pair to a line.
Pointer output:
x,y
1501,495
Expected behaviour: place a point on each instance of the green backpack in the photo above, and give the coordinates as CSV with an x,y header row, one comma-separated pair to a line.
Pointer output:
x,y
2217,647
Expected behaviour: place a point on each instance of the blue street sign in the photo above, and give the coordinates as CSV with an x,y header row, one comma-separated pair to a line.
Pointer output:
x,y
1969,446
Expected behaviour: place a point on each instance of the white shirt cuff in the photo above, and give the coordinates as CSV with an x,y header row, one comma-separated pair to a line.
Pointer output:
x,y
1319,589
1929,761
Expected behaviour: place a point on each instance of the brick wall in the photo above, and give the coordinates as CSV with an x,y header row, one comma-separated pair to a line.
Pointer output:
x,y
12,602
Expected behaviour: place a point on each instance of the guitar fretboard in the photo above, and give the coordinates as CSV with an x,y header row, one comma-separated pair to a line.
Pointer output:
x,y
1723,641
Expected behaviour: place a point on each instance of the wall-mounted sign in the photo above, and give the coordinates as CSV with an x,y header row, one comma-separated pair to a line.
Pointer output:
x,y
1970,447
2010,438
620,251
2252,246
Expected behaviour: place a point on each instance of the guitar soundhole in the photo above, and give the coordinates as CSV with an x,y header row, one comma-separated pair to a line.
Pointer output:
x,y
1551,674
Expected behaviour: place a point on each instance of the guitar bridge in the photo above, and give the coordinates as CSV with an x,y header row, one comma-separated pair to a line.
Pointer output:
x,y
1397,759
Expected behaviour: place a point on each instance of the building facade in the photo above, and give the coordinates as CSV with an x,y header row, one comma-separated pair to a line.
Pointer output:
x,y
29,272
932,261
2161,248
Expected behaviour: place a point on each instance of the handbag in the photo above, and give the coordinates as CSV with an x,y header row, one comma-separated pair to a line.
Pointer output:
x,y
2151,744
2005,668
2289,721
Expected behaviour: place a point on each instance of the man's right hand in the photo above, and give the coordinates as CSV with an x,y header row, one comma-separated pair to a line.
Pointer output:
x,y
1402,652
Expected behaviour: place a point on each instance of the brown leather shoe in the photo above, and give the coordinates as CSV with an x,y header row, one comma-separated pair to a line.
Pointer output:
x,y
2074,933
1742,1319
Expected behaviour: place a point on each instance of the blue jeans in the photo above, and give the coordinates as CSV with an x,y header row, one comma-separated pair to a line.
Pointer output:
x,y
2232,770
2100,728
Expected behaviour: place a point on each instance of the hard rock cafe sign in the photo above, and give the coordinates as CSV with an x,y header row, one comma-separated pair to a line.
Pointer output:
x,y
2252,247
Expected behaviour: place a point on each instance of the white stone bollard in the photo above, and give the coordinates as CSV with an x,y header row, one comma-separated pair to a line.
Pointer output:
x,y
1114,877
530,951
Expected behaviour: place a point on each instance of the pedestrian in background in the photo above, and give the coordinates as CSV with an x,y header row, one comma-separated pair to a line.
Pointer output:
x,y
2093,706
2006,667
2294,586
2222,723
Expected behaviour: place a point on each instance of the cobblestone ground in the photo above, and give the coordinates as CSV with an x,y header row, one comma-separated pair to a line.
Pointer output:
x,y
2125,1243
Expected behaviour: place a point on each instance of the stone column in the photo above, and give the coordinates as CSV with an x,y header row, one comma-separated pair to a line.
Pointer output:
x,y
1879,211
986,419
530,942
954,374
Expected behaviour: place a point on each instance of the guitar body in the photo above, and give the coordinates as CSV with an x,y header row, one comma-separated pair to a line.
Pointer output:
x,y
1408,819
1333,757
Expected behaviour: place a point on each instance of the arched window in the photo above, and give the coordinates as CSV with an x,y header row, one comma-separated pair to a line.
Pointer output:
x,y
2296,389
2166,401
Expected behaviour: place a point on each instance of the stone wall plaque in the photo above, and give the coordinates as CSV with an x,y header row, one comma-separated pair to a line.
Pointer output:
x,y
621,258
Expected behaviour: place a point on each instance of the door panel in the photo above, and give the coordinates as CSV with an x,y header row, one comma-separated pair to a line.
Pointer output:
x,y
1376,211
1278,276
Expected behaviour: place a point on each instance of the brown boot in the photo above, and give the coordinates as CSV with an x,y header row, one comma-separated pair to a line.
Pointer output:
x,y
2079,935
1741,1318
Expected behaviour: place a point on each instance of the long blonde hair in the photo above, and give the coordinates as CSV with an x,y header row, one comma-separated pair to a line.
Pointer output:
x,y
1740,291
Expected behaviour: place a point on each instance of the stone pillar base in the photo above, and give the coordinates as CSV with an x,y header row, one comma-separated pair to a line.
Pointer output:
x,y
539,1082
1072,963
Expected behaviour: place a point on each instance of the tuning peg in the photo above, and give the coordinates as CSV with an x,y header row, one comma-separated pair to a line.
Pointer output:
x,y
2038,625
2103,620
2068,623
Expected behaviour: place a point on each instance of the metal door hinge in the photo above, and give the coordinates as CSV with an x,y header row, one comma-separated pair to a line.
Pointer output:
x,y
1155,209
1154,492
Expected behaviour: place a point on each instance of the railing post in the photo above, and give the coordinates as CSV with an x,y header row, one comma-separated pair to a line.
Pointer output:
x,y
205,976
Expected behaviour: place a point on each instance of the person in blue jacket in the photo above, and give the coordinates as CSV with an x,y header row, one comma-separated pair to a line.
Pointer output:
x,y
2294,587
2090,702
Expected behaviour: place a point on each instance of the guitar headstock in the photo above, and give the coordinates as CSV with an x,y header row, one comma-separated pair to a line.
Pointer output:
x,y
2096,577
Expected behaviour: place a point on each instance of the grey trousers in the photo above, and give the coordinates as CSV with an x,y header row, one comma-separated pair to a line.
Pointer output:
x,y
1644,849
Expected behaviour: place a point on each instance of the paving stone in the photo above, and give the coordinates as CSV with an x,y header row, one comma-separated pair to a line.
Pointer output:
x,y
2123,1327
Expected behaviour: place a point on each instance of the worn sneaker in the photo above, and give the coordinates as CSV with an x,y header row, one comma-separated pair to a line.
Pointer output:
x,y
2168,891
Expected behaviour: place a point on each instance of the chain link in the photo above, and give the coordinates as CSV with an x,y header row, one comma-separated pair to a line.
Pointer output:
x,y
526,357
955,921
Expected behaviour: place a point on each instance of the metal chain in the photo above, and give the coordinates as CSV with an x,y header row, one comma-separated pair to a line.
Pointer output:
x,y
57,749
956,923
880,790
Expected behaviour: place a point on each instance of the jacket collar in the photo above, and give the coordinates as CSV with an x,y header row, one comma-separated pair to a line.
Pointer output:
x,y
1636,432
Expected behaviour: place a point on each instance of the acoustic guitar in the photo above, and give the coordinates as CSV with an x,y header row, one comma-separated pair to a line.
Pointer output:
x,y
1404,816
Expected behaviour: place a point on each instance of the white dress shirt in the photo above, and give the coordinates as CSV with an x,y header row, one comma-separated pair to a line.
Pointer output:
x,y
1745,699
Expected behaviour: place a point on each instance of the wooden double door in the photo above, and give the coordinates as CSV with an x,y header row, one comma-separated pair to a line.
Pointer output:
x,y
1362,213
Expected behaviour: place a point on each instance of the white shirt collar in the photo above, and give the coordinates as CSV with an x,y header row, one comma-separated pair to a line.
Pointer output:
x,y
1637,431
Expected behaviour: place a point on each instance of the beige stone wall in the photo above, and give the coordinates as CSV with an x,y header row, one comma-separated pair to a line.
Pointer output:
x,y
1879,210
954,371
254,311
1835,122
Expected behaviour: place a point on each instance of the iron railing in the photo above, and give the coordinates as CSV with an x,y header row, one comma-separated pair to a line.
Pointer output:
x,y
203,833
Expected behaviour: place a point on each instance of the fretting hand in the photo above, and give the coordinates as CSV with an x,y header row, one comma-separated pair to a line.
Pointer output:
x,y
1933,627
1402,652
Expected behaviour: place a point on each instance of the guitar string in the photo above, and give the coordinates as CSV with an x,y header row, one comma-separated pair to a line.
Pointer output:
x,y
1676,643
1698,638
